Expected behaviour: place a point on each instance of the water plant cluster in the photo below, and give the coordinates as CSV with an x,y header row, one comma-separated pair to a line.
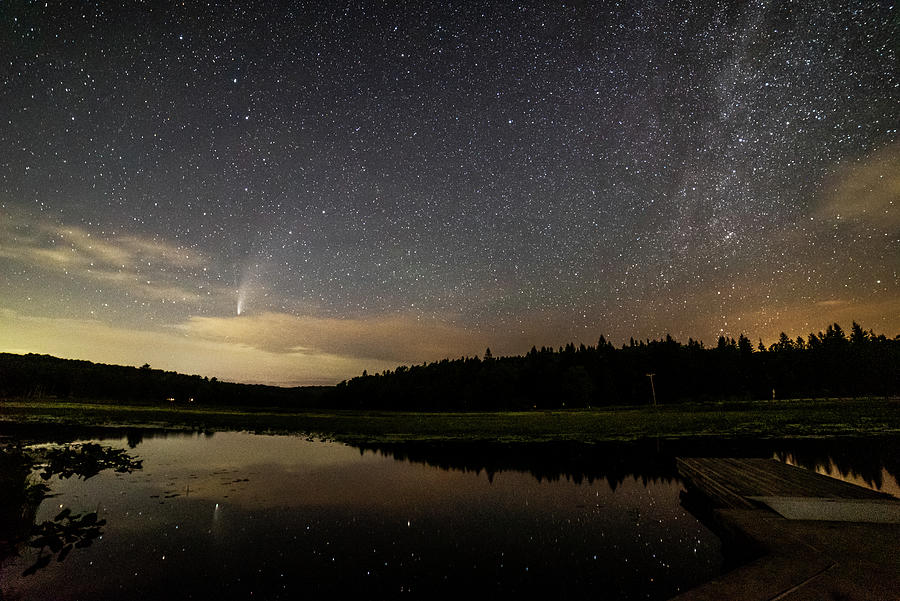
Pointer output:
x,y
23,493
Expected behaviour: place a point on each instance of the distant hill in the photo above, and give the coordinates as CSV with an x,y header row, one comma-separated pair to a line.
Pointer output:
x,y
829,364
47,377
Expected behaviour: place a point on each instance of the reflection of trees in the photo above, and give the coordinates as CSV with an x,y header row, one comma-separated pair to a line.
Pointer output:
x,y
19,499
23,493
134,437
37,433
865,459
647,461
546,461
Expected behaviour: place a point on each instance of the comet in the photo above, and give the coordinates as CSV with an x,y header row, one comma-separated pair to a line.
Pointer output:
x,y
249,286
241,299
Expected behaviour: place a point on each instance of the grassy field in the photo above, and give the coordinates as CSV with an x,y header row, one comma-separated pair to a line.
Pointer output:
x,y
758,419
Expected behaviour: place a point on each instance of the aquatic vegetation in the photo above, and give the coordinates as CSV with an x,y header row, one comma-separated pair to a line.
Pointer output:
x,y
23,494
85,460
60,535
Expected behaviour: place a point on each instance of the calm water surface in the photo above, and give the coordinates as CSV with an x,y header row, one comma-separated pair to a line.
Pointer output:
x,y
236,515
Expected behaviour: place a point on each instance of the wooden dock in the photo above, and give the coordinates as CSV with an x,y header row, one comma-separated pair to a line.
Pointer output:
x,y
731,482
815,537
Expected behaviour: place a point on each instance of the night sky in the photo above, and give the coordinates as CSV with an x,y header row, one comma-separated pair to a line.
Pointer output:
x,y
291,192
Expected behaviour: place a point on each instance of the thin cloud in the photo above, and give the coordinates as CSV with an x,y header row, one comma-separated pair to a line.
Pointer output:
x,y
832,303
144,267
866,191
173,350
404,338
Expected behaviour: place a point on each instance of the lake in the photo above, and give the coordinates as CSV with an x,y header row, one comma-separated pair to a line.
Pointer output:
x,y
238,515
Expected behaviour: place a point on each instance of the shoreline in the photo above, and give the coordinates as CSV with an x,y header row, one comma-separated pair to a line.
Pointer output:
x,y
802,418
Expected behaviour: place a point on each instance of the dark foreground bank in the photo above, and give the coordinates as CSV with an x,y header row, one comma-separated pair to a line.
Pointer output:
x,y
748,419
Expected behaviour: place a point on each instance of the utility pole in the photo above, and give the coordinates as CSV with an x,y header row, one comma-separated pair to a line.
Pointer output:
x,y
652,388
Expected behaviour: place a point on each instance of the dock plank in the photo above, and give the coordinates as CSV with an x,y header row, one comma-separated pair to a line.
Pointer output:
x,y
731,481
818,537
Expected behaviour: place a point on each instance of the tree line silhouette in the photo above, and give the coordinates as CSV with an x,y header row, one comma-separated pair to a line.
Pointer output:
x,y
825,364
829,364
45,377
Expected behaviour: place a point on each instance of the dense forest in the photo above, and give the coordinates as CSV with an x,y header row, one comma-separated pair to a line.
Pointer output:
x,y
824,364
829,364
46,377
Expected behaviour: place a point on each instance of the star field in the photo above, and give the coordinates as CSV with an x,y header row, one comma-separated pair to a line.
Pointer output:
x,y
381,183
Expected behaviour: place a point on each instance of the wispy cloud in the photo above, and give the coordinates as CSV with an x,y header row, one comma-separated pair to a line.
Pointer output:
x,y
865,191
144,267
173,350
401,338
832,303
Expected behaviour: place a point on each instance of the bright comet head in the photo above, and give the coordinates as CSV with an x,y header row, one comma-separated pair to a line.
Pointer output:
x,y
242,295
